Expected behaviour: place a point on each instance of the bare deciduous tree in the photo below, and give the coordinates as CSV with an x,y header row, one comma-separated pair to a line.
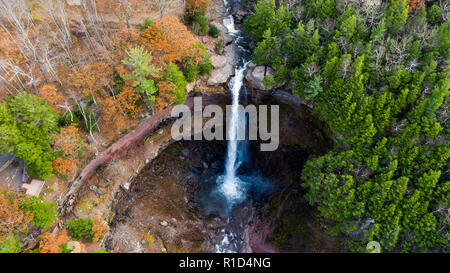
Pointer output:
x,y
164,6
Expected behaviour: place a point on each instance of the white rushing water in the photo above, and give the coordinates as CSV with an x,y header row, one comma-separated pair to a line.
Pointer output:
x,y
230,183
230,186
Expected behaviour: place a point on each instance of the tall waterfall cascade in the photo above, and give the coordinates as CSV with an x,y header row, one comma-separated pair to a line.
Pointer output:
x,y
230,184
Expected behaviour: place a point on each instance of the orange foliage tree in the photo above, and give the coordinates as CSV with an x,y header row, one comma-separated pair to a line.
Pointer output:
x,y
196,6
51,243
127,100
49,93
98,228
88,79
165,94
415,5
64,165
12,217
170,41
114,121
69,141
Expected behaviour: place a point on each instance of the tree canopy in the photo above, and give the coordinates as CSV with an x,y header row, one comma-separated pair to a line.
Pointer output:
x,y
27,125
379,76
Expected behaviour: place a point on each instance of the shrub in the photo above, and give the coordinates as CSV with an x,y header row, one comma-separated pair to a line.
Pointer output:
x,y
199,24
10,244
98,251
434,14
66,119
89,119
269,81
146,24
118,82
219,46
174,75
81,228
205,67
213,31
44,213
190,72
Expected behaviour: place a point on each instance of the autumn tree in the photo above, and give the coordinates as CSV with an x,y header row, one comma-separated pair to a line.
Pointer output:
x,y
13,219
196,6
99,229
89,79
140,59
69,141
50,94
415,5
170,41
165,94
112,116
64,166
128,100
53,243
196,15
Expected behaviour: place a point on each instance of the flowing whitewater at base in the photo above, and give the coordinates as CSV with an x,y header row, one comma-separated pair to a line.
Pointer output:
x,y
226,194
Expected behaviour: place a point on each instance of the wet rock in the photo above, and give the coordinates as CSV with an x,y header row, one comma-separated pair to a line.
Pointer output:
x,y
255,77
194,169
185,152
239,13
287,97
240,16
126,186
245,168
227,39
208,156
216,165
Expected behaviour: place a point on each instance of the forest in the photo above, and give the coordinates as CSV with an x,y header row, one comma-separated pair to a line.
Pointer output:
x,y
73,80
76,78
379,76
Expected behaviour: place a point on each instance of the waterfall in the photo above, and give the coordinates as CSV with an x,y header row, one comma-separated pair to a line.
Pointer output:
x,y
230,184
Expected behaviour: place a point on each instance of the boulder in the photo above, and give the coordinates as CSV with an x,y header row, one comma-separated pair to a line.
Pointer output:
x,y
190,86
222,29
218,61
75,246
221,75
255,76
227,39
